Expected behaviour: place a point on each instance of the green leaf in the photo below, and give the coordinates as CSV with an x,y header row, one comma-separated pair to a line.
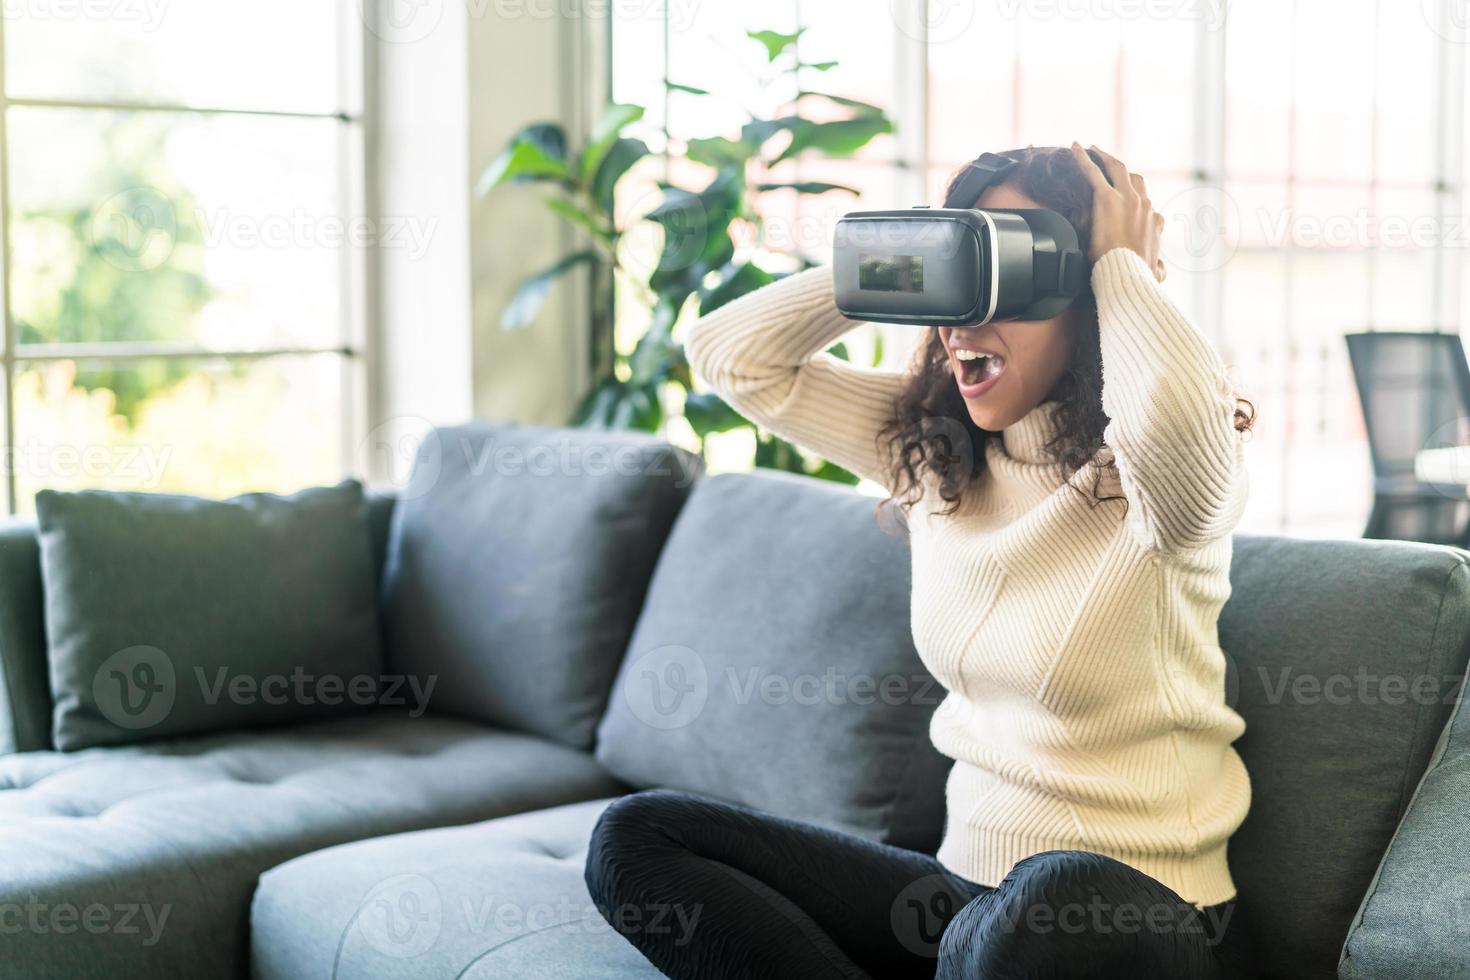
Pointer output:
x,y
655,354
531,296
877,348
615,404
831,471
841,138
580,217
775,42
809,187
696,229
757,131
819,65
526,158
862,108
614,117
619,159
746,279
688,89
717,151
707,412
839,350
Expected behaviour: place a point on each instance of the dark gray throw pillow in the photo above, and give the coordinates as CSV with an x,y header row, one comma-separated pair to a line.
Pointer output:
x,y
167,614
517,562
774,664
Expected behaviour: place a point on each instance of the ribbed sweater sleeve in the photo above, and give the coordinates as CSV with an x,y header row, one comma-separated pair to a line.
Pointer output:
x,y
1171,411
765,355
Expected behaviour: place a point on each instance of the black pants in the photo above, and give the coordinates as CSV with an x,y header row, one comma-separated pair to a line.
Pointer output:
x,y
708,890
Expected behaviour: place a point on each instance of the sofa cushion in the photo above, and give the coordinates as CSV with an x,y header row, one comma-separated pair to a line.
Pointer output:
x,y
1346,655
517,562
168,615
773,664
503,898
25,690
1415,918
172,835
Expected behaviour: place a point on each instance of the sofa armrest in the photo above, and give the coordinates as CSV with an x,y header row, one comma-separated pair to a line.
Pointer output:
x,y
1414,920
25,689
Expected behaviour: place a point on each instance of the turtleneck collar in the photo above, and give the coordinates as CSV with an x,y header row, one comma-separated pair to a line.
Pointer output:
x,y
1024,439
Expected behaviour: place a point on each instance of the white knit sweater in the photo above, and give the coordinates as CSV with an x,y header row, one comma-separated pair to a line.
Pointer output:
x,y
1078,645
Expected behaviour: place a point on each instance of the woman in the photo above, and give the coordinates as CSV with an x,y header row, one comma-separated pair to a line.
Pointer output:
x,y
1069,486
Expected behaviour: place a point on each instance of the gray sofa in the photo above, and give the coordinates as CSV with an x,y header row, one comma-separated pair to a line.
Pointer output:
x,y
743,636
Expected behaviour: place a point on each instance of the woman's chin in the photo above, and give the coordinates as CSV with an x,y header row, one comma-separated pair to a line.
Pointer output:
x,y
989,415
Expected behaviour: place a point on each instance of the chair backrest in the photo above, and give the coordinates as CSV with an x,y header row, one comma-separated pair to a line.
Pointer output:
x,y
1415,391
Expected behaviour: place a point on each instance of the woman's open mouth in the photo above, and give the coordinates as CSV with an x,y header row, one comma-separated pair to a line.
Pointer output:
x,y
976,371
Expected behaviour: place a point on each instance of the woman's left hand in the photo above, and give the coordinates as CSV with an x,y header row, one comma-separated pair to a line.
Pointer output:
x,y
1122,214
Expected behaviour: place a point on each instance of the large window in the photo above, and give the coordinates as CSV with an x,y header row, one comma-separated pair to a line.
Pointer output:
x,y
1306,152
182,207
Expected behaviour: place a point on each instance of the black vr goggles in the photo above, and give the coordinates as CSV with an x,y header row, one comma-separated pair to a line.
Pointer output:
x,y
957,265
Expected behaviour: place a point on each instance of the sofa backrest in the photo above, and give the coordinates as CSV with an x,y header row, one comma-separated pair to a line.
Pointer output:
x,y
773,664
1346,659
25,691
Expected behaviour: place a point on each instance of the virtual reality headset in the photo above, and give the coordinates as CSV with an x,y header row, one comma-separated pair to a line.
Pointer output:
x,y
957,265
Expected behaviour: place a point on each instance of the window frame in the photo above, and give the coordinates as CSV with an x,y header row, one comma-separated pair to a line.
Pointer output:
x,y
353,347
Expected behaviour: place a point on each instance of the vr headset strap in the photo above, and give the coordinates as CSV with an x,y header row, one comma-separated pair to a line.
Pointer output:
x,y
1061,273
986,169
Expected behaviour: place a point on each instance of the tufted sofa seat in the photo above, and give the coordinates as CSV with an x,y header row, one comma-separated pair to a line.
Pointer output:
x,y
144,857
491,900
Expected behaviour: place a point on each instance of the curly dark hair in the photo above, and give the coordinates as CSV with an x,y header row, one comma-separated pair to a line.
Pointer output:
x,y
930,426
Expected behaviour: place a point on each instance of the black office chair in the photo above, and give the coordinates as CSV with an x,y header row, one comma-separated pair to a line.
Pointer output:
x,y
1415,391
